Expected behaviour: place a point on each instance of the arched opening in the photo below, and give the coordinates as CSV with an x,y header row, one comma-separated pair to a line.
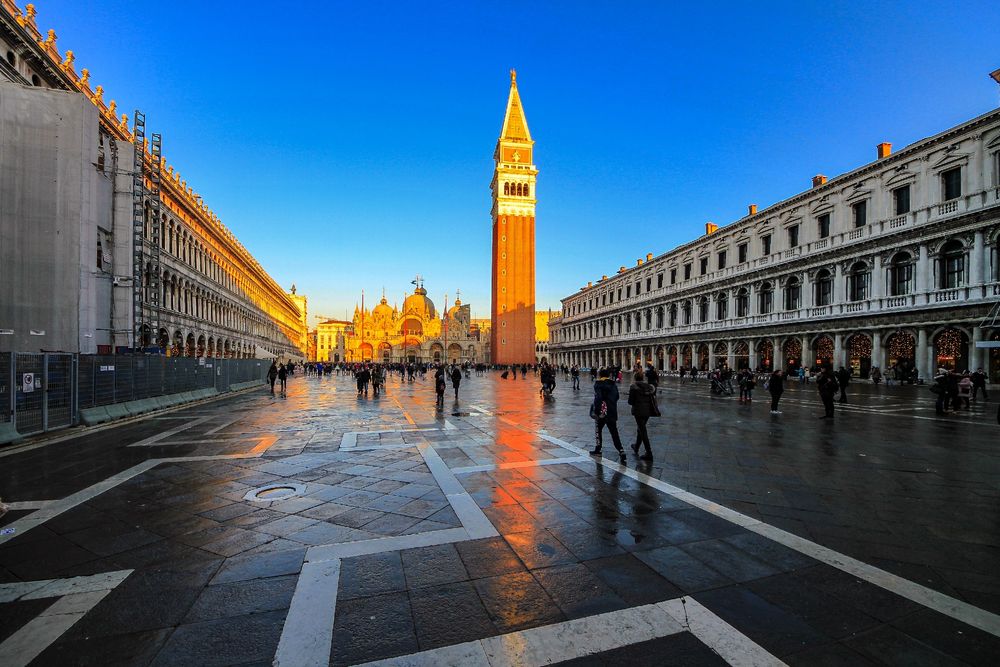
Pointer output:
x,y
412,327
385,352
765,355
901,274
952,265
454,353
672,357
686,355
162,340
741,355
859,355
858,282
703,357
793,294
365,351
791,350
823,351
178,344
721,354
189,347
437,352
951,350
824,288
901,354
201,346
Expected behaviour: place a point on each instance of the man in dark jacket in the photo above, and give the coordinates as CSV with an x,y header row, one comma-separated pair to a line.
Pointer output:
x,y
652,377
605,413
826,383
844,378
641,396
979,384
456,379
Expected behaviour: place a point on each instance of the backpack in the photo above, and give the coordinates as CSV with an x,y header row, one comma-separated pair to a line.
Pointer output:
x,y
599,413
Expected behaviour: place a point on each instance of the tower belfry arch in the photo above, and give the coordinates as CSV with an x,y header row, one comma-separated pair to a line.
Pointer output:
x,y
512,339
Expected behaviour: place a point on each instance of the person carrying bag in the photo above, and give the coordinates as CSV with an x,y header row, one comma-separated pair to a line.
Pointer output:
x,y
642,398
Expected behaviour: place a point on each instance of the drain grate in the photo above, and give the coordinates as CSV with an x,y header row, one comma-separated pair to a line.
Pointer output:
x,y
274,492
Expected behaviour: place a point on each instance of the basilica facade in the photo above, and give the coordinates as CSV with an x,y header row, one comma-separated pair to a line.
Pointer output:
x,y
416,332
894,264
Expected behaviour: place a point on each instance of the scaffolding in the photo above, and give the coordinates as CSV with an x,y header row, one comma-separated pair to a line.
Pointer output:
x,y
145,237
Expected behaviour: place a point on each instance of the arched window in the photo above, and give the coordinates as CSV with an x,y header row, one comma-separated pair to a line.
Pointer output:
x,y
721,306
703,309
506,188
793,294
901,274
686,308
673,314
742,302
766,298
518,187
649,319
858,282
952,265
526,190
659,317
824,288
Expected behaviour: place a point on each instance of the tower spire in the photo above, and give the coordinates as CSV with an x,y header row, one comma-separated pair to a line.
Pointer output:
x,y
515,124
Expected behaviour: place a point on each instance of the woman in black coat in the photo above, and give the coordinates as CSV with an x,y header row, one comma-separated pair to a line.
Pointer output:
x,y
776,387
605,413
642,397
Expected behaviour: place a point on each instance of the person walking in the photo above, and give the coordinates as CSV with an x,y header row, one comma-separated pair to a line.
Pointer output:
x,y
776,387
652,377
747,383
575,373
604,411
283,378
272,374
940,390
439,387
642,398
826,383
843,378
694,374
979,383
456,379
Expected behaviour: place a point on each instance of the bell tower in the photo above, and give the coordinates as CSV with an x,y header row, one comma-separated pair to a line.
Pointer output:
x,y
512,339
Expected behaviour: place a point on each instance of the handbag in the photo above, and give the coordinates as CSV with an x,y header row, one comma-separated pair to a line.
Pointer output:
x,y
654,408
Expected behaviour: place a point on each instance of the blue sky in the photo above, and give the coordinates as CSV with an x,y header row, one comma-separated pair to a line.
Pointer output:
x,y
349,144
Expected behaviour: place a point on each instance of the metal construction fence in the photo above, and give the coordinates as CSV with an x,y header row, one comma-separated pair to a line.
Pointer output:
x,y
44,392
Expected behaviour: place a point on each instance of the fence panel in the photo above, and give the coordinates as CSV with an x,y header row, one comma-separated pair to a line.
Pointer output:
x,y
29,394
59,391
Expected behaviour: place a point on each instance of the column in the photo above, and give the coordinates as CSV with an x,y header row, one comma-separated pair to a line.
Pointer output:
x,y
806,292
752,308
807,359
877,352
731,355
976,260
711,356
838,350
878,278
924,354
839,288
925,274
977,356
778,358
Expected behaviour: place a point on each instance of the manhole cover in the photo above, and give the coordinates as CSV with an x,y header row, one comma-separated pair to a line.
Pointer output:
x,y
274,492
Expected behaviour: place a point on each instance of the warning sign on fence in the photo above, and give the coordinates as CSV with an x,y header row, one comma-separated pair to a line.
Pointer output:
x,y
27,383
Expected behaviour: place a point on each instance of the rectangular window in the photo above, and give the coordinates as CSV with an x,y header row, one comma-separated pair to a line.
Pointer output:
x,y
741,251
952,182
765,245
659,280
619,293
793,236
722,259
901,200
703,265
687,272
649,284
673,276
628,292
638,286
824,225
860,214
604,299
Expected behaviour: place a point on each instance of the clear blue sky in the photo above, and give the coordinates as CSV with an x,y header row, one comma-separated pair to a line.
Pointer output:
x,y
349,144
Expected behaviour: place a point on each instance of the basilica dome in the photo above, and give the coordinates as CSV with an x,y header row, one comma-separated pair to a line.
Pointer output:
x,y
382,311
418,304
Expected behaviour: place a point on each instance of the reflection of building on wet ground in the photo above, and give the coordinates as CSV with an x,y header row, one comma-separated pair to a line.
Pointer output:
x,y
416,332
893,264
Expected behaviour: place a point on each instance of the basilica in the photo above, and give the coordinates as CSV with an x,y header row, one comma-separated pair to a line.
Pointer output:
x,y
417,332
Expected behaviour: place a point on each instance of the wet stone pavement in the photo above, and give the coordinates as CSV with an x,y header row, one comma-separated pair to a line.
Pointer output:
x,y
326,528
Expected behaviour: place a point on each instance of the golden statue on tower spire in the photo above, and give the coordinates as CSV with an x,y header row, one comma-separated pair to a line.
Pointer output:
x,y
513,75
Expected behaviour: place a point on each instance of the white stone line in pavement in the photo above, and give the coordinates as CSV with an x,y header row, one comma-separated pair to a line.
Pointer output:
x,y
488,467
592,635
77,596
729,643
945,604
349,440
153,439
307,636
224,424
57,507
325,552
22,505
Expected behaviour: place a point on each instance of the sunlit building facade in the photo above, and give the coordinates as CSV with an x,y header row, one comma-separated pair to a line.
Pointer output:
x,y
893,265
105,247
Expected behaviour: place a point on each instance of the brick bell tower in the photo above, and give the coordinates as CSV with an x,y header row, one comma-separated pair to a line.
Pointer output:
x,y
512,339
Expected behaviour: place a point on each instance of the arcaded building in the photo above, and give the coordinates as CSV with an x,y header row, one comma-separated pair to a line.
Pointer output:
x,y
893,265
104,247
